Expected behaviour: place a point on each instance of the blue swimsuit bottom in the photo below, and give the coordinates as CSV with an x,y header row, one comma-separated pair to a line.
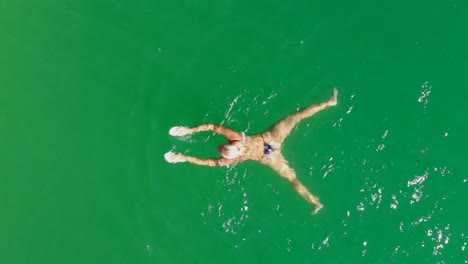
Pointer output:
x,y
267,148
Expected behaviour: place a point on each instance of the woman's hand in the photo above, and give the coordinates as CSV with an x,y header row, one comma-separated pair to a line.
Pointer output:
x,y
173,157
180,131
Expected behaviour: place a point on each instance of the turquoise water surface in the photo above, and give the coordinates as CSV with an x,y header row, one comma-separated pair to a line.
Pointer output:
x,y
89,90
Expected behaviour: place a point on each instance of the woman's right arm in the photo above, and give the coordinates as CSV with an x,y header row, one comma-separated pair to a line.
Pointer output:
x,y
173,157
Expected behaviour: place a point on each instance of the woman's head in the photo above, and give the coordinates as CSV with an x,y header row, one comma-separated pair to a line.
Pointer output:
x,y
230,151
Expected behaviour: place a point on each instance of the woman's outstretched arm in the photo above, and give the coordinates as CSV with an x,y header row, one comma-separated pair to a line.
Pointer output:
x,y
173,157
227,132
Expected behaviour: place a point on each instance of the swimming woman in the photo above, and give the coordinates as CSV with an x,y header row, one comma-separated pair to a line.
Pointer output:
x,y
264,147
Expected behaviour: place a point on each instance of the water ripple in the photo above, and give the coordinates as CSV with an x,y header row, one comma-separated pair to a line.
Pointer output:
x,y
426,90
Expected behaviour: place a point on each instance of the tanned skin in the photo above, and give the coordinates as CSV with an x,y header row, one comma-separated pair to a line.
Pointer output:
x,y
252,147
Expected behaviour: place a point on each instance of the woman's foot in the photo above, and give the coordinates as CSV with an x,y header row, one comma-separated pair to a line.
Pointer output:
x,y
334,99
317,208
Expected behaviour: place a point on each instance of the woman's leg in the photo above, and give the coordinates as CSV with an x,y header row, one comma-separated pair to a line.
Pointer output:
x,y
281,129
278,163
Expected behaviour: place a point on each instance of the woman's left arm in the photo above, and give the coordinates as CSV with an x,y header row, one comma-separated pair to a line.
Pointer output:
x,y
227,132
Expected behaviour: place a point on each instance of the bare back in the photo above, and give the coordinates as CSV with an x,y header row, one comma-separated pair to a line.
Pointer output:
x,y
254,146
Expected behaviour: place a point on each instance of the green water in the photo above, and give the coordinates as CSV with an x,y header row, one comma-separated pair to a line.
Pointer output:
x,y
89,90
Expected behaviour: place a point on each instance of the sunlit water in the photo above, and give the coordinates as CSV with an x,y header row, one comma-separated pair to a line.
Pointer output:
x,y
90,89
